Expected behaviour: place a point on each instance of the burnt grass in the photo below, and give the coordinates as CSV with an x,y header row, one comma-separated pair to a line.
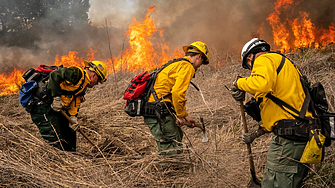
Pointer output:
x,y
128,156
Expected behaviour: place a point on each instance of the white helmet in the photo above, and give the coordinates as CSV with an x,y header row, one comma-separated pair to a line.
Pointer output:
x,y
254,46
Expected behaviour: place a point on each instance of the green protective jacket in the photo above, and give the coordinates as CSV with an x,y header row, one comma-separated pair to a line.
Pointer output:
x,y
285,86
175,79
69,83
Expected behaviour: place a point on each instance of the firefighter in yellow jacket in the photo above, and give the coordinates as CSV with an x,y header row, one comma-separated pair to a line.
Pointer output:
x,y
67,87
173,82
274,74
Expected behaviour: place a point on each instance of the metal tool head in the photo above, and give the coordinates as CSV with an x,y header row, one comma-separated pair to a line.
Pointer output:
x,y
204,135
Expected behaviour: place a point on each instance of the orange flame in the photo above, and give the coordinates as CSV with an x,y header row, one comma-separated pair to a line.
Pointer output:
x,y
69,60
10,84
142,54
299,33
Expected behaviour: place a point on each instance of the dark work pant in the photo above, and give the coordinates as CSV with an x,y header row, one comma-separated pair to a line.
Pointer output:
x,y
54,128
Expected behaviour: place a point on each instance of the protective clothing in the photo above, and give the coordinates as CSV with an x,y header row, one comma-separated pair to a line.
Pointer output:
x,y
283,168
74,126
238,95
99,68
54,128
175,79
198,47
249,137
264,79
168,136
57,104
255,45
71,84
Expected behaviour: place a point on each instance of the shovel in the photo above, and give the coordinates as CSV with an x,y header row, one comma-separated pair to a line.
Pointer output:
x,y
255,181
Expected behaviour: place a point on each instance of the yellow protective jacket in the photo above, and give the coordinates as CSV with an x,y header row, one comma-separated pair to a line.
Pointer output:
x,y
175,79
69,83
285,86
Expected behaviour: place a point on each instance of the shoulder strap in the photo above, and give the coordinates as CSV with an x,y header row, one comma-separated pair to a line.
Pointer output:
x,y
283,104
151,89
64,92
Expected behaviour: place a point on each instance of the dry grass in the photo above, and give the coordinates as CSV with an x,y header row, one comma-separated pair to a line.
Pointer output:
x,y
131,159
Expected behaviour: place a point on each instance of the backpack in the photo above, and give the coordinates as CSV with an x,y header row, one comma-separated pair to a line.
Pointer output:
x,y
315,101
34,90
140,88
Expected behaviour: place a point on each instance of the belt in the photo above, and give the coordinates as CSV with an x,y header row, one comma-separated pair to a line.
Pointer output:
x,y
163,109
294,129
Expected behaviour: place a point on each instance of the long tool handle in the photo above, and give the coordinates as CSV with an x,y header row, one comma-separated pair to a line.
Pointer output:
x,y
199,125
81,131
251,160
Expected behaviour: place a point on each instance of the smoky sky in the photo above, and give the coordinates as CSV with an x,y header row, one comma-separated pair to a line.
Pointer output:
x,y
225,26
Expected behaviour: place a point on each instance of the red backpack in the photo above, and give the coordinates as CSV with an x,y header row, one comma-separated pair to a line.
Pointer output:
x,y
137,86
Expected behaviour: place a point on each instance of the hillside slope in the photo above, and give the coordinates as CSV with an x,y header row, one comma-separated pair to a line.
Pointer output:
x,y
129,155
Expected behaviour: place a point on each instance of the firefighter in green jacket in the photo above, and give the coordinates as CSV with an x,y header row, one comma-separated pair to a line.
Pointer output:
x,y
175,80
283,168
67,87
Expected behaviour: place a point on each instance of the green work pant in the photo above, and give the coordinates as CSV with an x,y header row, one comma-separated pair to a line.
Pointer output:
x,y
168,136
282,167
54,128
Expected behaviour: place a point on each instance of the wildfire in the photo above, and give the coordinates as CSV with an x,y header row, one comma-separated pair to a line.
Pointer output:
x,y
69,60
142,54
10,83
299,33
146,51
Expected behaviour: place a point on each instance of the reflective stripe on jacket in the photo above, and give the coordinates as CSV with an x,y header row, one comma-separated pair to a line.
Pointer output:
x,y
71,84
285,86
175,79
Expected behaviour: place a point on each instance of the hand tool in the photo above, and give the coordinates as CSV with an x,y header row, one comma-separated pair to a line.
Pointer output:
x,y
255,181
81,131
201,126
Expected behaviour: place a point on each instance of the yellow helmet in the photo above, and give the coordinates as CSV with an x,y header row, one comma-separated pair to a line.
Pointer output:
x,y
99,68
199,47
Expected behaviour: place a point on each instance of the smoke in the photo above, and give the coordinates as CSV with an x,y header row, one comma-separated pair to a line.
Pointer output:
x,y
224,25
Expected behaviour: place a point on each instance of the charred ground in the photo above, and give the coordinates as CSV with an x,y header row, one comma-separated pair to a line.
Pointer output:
x,y
129,155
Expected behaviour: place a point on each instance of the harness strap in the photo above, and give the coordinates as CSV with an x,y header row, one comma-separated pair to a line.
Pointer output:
x,y
281,65
152,90
64,92
301,115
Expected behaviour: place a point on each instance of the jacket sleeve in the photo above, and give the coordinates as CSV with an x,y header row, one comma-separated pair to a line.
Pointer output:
x,y
183,78
262,79
71,74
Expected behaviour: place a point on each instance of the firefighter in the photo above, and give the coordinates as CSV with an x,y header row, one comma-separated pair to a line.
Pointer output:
x,y
173,82
271,73
67,87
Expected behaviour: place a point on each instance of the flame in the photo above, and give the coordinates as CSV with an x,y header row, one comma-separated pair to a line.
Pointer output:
x,y
299,32
10,84
142,54
69,60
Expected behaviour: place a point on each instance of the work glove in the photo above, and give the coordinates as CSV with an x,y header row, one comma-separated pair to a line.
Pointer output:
x,y
57,104
74,126
249,137
239,95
